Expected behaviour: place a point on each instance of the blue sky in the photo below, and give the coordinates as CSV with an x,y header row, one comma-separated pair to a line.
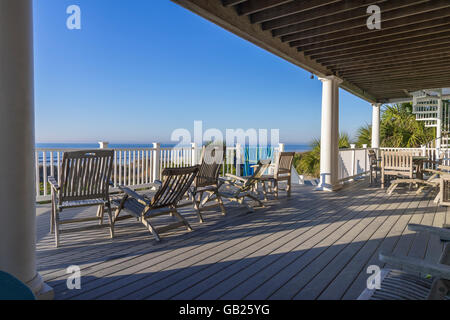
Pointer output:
x,y
137,70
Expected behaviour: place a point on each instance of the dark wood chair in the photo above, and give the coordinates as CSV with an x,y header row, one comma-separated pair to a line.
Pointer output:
x,y
238,189
283,172
85,179
175,184
205,188
420,280
374,168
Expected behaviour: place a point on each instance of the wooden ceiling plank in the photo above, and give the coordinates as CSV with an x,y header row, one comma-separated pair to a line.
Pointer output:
x,y
383,35
253,6
404,54
392,19
289,9
337,18
392,62
317,13
230,3
435,33
441,38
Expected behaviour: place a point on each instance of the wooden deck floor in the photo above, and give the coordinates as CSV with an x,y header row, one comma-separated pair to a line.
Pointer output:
x,y
313,246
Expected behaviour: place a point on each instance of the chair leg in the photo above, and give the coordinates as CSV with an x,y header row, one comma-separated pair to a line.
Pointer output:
x,y
150,228
100,213
197,208
52,217
176,214
276,187
219,199
289,187
256,199
111,220
56,227
264,190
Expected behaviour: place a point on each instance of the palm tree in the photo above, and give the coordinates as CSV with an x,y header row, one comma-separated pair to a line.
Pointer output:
x,y
364,136
308,163
398,129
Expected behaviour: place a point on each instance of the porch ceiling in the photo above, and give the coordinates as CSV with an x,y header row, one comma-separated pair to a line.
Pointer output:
x,y
330,37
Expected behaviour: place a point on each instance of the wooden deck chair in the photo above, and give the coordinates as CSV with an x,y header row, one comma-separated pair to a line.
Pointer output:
x,y
237,188
401,165
422,280
436,171
205,188
374,167
283,172
175,184
85,178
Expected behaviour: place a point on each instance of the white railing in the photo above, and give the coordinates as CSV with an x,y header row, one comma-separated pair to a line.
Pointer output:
x,y
353,163
134,167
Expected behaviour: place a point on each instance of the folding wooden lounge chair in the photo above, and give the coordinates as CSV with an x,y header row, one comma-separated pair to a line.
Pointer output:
x,y
85,178
207,181
239,188
283,172
422,280
175,184
401,165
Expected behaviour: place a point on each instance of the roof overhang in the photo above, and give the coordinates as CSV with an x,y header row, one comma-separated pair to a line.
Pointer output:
x,y
331,37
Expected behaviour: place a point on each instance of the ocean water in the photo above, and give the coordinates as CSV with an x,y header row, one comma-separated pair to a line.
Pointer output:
x,y
288,147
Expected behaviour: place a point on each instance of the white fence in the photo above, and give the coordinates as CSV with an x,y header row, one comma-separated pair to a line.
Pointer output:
x,y
353,163
135,167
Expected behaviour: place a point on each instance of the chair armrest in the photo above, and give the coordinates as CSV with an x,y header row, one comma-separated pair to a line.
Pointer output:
x,y
434,171
232,176
133,194
443,233
54,184
418,265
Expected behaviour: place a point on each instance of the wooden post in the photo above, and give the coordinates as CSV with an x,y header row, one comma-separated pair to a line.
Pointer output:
x,y
366,155
156,161
353,146
194,154
238,159
103,144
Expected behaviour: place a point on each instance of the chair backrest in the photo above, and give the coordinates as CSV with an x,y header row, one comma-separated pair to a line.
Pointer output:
x,y
212,160
176,182
86,175
397,162
284,166
263,165
373,157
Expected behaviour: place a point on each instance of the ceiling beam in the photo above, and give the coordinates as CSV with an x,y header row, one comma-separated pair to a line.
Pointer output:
x,y
436,34
437,40
382,36
319,12
253,6
289,9
391,19
404,54
337,18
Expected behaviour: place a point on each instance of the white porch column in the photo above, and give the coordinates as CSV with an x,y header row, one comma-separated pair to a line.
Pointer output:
x,y
329,150
376,108
17,179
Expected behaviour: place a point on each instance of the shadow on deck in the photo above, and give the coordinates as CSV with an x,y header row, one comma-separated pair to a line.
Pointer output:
x,y
314,245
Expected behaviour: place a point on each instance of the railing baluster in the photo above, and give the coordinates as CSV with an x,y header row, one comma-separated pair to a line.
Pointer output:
x,y
38,180
45,178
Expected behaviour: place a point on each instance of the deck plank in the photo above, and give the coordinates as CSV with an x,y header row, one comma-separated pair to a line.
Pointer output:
x,y
314,245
